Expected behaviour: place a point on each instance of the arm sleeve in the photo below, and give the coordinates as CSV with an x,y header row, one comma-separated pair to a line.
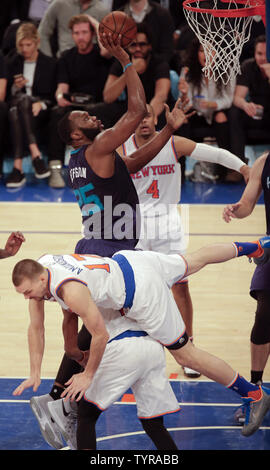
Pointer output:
x,y
208,153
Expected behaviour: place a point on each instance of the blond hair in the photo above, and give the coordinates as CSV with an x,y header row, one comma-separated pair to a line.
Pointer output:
x,y
26,31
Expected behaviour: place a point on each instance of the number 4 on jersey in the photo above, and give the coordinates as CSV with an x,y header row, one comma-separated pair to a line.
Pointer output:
x,y
153,189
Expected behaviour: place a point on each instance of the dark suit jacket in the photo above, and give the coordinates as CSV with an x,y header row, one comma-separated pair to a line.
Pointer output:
x,y
44,84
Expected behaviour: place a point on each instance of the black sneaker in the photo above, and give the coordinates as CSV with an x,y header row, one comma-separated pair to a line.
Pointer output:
x,y
40,169
16,179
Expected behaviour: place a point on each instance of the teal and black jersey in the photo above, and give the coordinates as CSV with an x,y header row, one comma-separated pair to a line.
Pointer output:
x,y
109,206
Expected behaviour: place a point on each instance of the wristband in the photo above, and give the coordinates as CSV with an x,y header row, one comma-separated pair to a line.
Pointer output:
x,y
126,66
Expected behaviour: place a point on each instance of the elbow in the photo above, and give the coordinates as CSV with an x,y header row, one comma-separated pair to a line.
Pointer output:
x,y
68,351
133,166
72,353
138,113
106,337
142,109
107,97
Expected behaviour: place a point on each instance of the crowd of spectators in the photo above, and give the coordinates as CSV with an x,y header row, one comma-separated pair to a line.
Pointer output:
x,y
51,61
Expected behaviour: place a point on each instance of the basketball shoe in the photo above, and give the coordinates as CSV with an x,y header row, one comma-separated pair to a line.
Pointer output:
x,y
65,416
255,411
263,245
240,414
49,429
254,249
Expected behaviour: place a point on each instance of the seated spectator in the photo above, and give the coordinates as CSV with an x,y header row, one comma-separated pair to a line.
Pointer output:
x,y
250,115
3,108
154,74
211,100
159,21
82,72
257,29
31,85
57,17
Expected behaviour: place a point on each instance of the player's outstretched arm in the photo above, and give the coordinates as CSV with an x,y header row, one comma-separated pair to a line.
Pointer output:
x,y
13,245
36,343
244,207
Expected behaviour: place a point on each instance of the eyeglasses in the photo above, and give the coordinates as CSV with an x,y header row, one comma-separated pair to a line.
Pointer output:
x,y
138,44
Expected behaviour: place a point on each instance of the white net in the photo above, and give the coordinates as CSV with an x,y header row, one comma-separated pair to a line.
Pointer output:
x,y
222,38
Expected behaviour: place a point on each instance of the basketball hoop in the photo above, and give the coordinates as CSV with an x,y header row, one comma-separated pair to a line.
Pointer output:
x,y
222,27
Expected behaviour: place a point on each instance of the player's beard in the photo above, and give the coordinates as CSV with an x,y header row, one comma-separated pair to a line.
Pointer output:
x,y
91,133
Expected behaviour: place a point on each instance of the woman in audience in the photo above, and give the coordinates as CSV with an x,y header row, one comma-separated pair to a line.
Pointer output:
x,y
211,99
31,88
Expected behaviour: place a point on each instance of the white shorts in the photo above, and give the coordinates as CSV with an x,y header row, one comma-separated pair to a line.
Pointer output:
x,y
164,234
137,363
154,307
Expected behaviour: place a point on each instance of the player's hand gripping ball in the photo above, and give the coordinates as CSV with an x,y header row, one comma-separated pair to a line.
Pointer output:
x,y
117,22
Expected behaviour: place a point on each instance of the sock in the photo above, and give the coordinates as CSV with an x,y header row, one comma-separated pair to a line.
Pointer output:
x,y
248,248
245,388
256,376
56,391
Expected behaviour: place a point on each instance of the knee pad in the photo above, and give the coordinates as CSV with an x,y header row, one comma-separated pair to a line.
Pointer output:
x,y
179,343
260,333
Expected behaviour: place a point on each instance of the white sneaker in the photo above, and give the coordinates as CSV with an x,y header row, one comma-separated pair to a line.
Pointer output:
x,y
192,374
56,179
66,420
48,427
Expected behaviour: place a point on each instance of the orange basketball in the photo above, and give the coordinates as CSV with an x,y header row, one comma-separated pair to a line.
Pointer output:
x,y
117,22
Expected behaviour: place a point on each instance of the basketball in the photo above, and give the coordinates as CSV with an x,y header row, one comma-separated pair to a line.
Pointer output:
x,y
117,22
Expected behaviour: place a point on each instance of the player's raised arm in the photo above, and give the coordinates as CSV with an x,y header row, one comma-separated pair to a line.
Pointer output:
x,y
115,136
138,159
250,196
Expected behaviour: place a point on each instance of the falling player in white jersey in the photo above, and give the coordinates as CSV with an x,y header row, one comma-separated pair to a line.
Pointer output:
x,y
136,283
158,185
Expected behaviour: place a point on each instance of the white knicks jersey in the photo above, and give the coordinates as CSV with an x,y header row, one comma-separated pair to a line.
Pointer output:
x,y
129,288
158,184
102,276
